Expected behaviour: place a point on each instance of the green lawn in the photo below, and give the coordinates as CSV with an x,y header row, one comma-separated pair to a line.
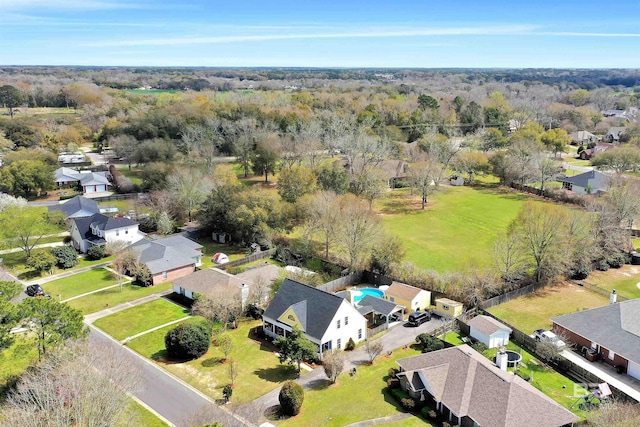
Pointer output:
x,y
80,283
352,398
112,297
138,415
210,248
141,318
259,369
15,263
533,311
15,359
624,280
457,229
135,175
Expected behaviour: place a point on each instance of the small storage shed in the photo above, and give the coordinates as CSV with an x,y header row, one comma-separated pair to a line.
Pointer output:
x,y
446,307
489,331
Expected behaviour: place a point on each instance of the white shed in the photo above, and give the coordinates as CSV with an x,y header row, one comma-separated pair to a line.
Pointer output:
x,y
489,331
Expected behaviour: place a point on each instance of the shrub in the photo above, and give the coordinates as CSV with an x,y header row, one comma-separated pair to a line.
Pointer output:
x,y
67,239
399,394
351,344
580,272
429,343
392,372
66,256
428,413
602,265
227,391
95,253
393,383
479,346
616,260
408,403
291,397
41,261
186,342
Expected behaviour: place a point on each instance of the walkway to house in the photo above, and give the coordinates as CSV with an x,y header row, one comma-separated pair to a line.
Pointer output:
x,y
41,280
44,245
127,339
90,318
623,382
383,420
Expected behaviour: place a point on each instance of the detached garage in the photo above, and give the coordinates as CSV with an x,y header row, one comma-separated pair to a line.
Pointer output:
x,y
489,331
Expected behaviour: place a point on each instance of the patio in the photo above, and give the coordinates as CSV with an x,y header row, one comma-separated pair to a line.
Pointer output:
x,y
623,382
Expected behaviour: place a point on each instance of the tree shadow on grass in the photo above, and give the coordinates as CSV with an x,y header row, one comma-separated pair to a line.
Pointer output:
x,y
319,384
391,400
272,413
161,356
211,362
277,374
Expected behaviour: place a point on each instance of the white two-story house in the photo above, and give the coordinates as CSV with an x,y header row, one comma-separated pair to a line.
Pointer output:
x,y
327,320
100,229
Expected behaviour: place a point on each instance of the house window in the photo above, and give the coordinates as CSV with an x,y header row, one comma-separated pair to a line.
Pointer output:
x,y
268,326
445,307
339,344
279,331
338,324
181,291
416,303
346,321
612,355
164,274
126,231
359,334
392,299
117,232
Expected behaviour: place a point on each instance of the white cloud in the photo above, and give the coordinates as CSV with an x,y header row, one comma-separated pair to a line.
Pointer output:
x,y
63,4
364,33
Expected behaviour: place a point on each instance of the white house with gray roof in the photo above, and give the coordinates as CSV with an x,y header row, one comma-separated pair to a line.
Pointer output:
x,y
98,229
328,320
613,331
471,391
91,182
169,258
590,182
489,331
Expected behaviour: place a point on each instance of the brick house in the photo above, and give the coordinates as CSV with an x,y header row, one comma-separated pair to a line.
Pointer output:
x,y
169,258
613,331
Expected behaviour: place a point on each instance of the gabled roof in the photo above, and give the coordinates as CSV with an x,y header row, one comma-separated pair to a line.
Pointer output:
x,y
596,179
77,207
94,178
167,253
321,306
66,174
204,281
470,385
583,135
616,131
614,326
378,305
488,325
402,290
448,301
101,222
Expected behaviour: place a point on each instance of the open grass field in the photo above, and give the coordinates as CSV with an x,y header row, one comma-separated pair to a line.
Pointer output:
x,y
44,112
80,283
152,91
135,175
112,297
259,369
457,229
16,358
624,280
533,311
141,318
353,398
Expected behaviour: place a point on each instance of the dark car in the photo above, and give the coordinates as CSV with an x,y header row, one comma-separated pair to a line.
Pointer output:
x,y
34,291
418,318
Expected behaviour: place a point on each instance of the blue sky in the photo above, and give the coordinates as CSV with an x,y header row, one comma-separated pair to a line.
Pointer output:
x,y
310,33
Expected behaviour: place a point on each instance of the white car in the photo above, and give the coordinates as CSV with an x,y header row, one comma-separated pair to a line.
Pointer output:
x,y
548,336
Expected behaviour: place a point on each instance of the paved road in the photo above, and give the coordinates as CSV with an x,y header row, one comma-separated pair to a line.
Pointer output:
x,y
172,399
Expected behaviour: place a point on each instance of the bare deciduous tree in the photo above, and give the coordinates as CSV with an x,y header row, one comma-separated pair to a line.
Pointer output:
x,y
333,363
79,385
190,187
232,369
373,349
359,229
223,304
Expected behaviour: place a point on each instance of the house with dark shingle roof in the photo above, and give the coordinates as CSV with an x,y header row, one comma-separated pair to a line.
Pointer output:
x,y
489,331
208,280
328,320
98,229
590,182
590,153
583,137
471,391
168,258
612,330
77,207
614,133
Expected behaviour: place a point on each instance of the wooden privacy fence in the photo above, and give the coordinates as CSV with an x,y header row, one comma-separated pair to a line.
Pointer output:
x,y
127,196
516,293
341,283
248,259
597,289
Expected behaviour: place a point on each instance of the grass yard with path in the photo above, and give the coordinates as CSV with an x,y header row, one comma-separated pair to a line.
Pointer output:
x,y
138,415
624,280
355,398
80,283
141,318
457,229
112,297
258,367
533,311
15,264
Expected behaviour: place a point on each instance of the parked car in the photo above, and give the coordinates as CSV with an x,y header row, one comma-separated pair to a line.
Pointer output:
x,y
548,336
417,318
34,291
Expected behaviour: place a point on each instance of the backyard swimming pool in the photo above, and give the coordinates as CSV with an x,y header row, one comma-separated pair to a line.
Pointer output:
x,y
362,292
